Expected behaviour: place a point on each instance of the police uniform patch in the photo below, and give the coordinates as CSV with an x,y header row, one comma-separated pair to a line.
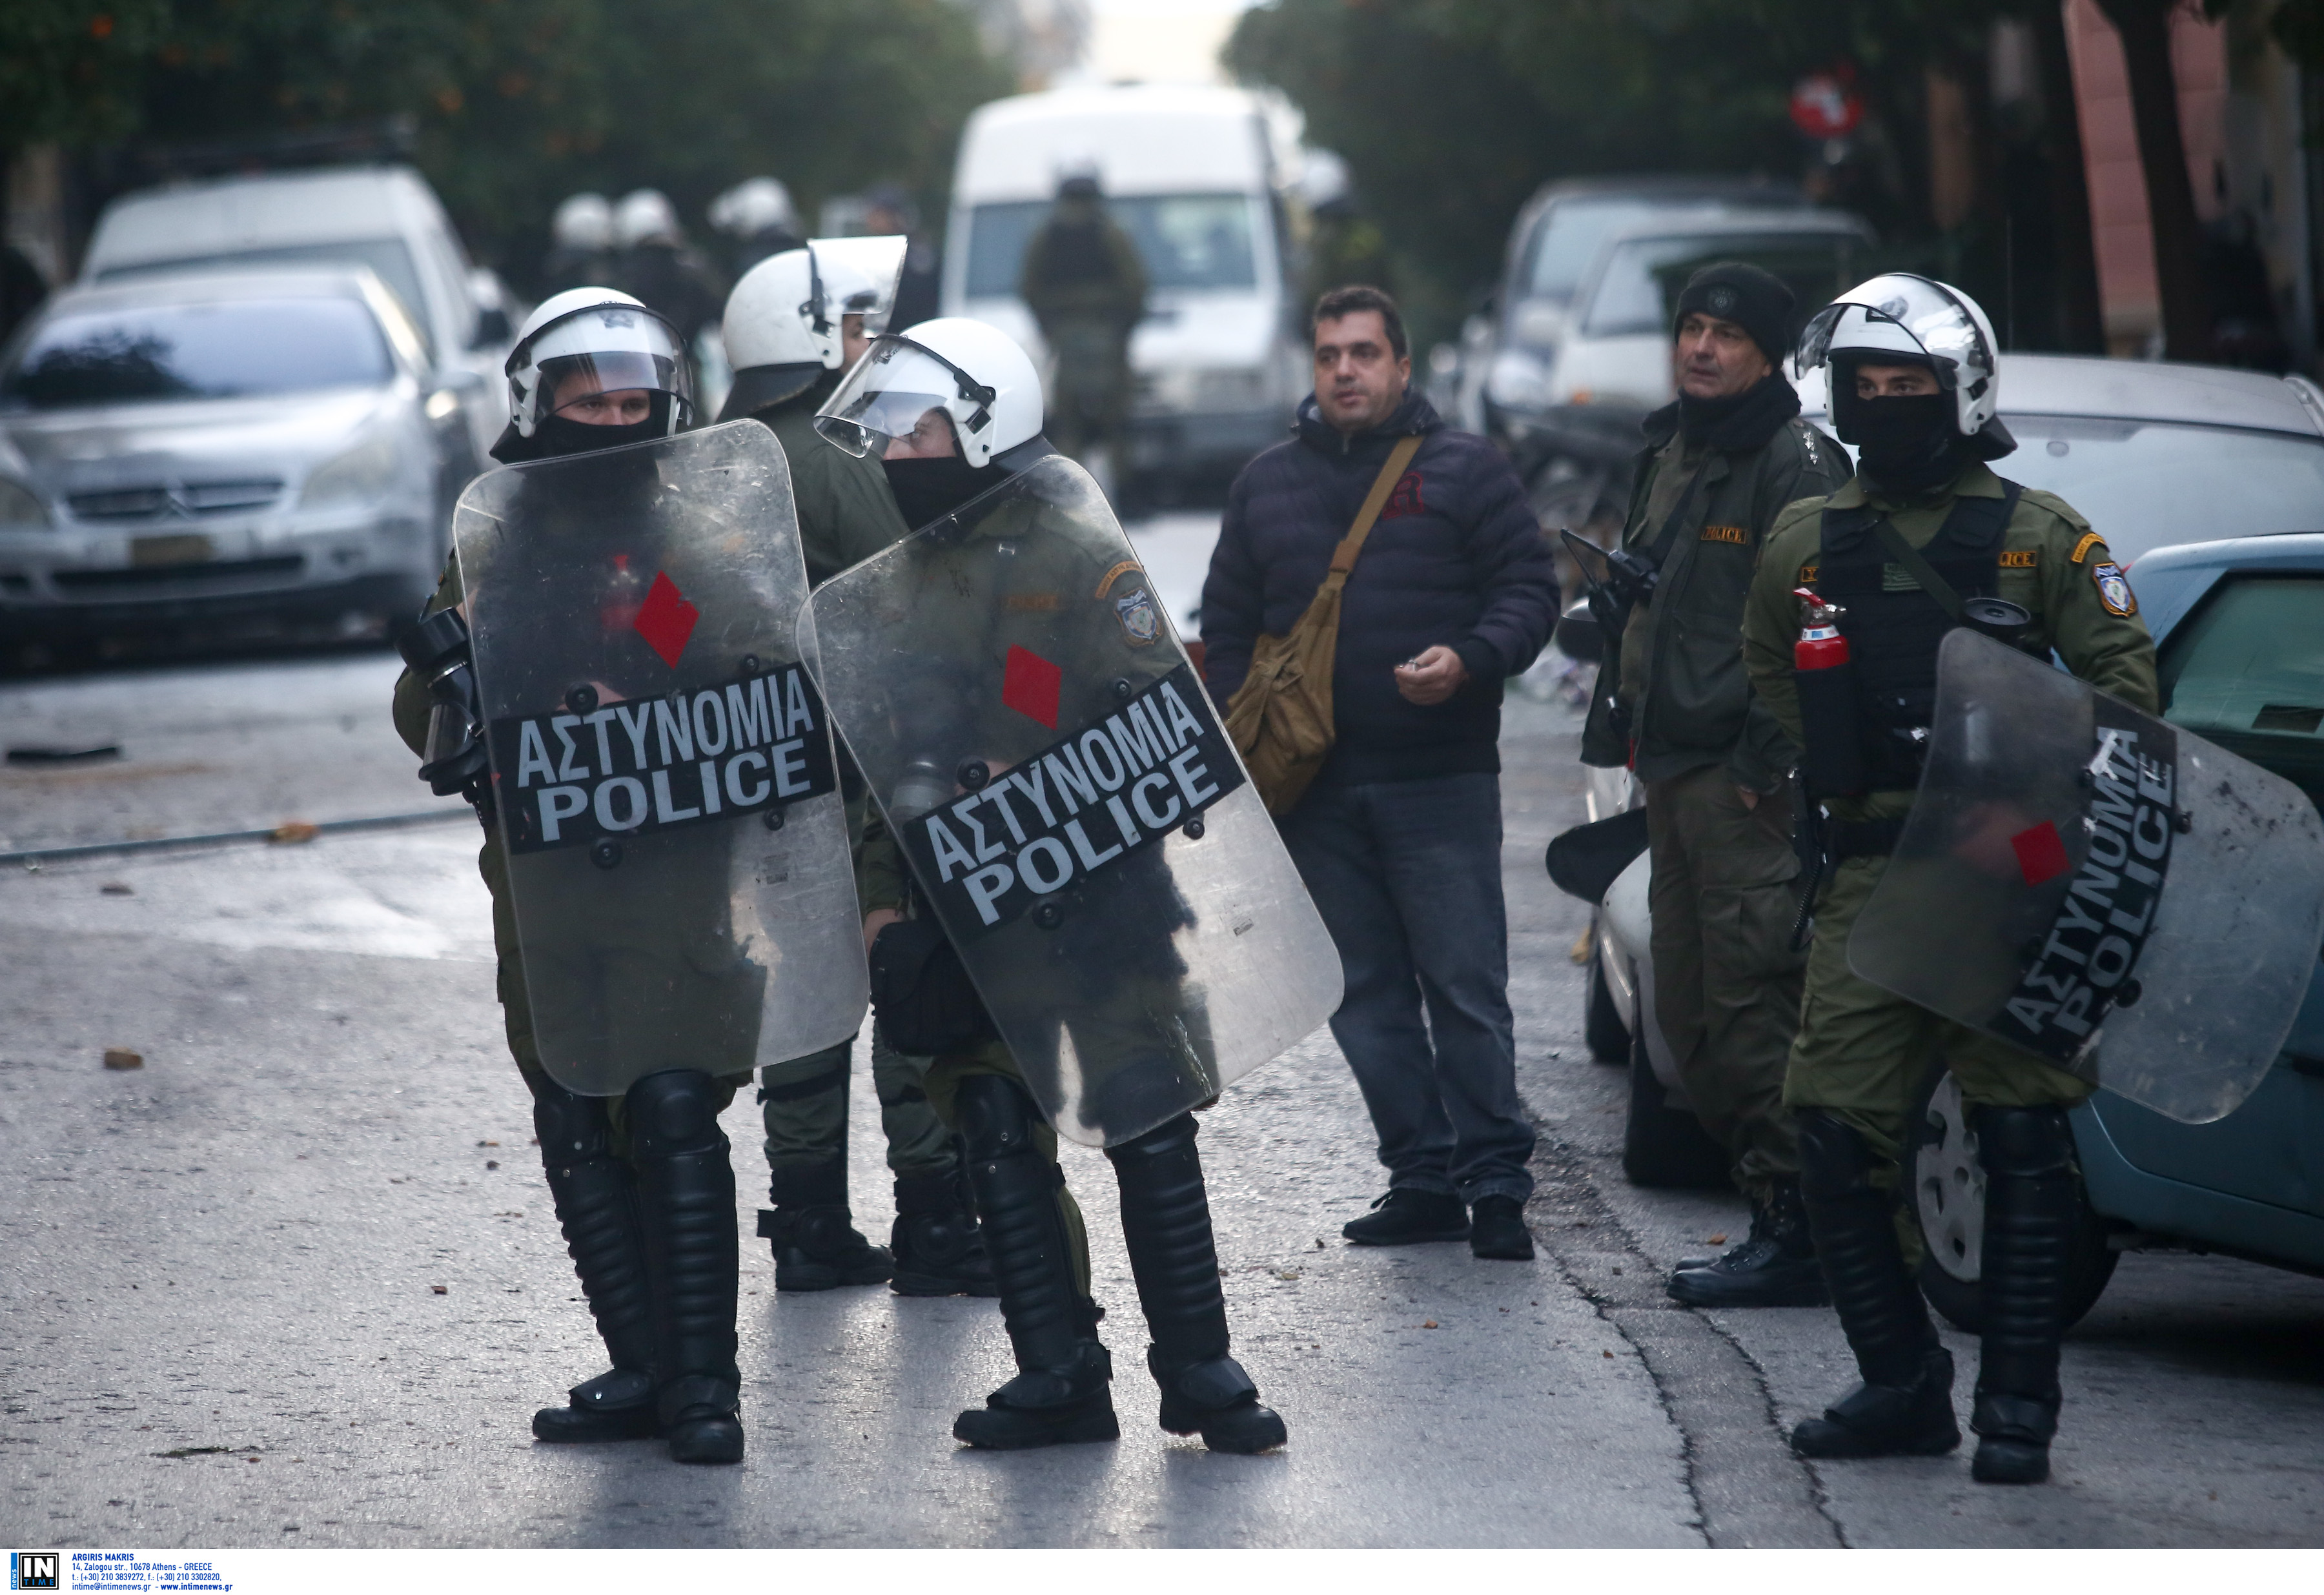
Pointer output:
x,y
1726,534
2114,588
1136,612
2090,539
1807,575
1142,622
2019,559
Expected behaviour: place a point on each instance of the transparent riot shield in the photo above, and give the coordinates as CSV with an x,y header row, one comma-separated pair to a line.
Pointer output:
x,y
2109,892
662,769
1071,806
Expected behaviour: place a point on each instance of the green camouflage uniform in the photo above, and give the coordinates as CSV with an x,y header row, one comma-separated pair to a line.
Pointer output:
x,y
1861,1052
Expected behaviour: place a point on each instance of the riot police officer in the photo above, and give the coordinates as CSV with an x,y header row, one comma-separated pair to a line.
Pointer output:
x,y
793,324
581,244
641,1185
953,407
1925,530
1086,287
758,215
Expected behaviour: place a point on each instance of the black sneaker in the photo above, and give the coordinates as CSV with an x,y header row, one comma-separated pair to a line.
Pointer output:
x,y
1404,1216
1775,1266
1496,1229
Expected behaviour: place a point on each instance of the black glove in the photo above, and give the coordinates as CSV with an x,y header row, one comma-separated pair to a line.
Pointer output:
x,y
920,991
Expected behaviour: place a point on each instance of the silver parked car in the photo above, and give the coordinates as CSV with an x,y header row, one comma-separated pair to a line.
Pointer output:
x,y
205,450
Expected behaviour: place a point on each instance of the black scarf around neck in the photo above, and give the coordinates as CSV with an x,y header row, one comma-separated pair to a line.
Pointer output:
x,y
1739,421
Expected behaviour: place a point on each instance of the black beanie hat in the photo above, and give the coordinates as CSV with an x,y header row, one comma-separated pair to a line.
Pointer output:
x,y
1755,300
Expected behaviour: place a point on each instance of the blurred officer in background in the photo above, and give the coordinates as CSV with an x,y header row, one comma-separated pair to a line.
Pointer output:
x,y
658,267
581,244
1086,287
758,215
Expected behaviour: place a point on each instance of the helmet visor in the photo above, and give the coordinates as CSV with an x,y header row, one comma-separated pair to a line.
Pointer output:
x,y
570,379
890,389
858,277
1901,315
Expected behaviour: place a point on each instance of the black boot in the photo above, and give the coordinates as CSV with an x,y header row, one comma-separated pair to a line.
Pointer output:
x,y
1166,1223
686,1197
816,1244
1905,1406
2031,1212
596,1208
1775,1266
1061,1392
939,1250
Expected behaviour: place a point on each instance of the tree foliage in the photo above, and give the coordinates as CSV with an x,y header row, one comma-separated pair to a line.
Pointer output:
x,y
520,102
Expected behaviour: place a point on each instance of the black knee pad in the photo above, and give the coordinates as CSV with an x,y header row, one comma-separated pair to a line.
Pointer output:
x,y
1172,1135
1834,1161
673,1113
2025,1140
996,1116
572,1128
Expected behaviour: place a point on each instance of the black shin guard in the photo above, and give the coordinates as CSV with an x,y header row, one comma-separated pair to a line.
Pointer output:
x,y
2031,1212
816,1244
686,1188
1166,1223
938,1249
1060,1391
596,1201
1904,1404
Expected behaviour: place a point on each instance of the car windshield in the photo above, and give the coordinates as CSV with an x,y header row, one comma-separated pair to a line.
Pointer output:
x,y
1567,238
229,349
390,260
2248,672
1642,276
2146,485
1185,241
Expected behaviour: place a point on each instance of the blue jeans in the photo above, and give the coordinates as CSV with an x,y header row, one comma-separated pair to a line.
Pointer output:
x,y
1408,875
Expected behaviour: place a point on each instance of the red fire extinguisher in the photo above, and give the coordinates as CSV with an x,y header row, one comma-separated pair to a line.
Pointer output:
x,y
1833,762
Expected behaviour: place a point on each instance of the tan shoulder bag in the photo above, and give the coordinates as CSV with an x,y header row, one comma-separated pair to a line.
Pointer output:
x,y
1280,718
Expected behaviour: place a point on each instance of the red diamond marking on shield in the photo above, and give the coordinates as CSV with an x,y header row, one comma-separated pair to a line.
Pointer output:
x,y
1029,684
2041,853
665,620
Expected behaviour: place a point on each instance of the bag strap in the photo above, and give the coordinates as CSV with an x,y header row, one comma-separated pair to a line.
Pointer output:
x,y
1924,572
1344,558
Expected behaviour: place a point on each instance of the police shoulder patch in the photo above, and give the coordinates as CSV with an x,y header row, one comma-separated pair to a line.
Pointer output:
x,y
1125,586
2114,588
2090,539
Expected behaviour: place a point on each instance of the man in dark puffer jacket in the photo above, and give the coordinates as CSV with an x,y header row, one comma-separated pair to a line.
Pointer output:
x,y
1400,839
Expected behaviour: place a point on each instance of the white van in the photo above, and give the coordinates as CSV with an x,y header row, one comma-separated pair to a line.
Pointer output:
x,y
385,217
1192,174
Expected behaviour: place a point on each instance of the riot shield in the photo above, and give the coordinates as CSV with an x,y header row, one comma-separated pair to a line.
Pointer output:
x,y
1071,806
662,769
2102,889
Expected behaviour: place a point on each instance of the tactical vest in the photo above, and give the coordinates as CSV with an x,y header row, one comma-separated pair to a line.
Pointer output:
x,y
1893,631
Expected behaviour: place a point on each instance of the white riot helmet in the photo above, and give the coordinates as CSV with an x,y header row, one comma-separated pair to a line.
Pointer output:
x,y
975,374
645,216
1901,318
583,222
755,206
785,318
605,337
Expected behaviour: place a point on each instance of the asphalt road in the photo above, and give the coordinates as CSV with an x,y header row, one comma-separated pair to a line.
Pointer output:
x,y
296,1281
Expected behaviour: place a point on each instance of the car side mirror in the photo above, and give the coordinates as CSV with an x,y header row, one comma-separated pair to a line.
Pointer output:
x,y
1580,637
491,327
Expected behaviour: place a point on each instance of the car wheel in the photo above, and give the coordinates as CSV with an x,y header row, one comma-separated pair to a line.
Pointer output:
x,y
1602,1027
1666,1147
1947,1193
